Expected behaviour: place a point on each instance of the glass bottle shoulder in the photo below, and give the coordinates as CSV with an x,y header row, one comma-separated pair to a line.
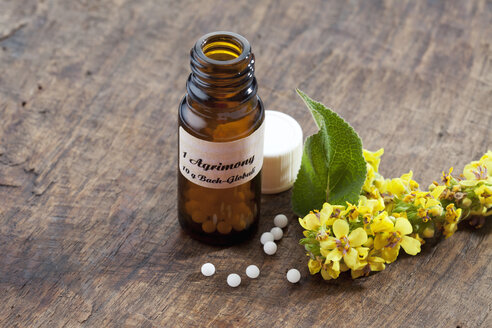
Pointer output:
x,y
221,125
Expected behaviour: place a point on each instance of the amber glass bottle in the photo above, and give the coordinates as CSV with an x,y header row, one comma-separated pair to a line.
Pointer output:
x,y
220,142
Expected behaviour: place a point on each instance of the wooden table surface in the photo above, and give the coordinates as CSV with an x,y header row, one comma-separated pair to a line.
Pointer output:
x,y
89,92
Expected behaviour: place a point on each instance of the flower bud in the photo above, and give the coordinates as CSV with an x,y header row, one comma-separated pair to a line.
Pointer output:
x,y
466,202
428,232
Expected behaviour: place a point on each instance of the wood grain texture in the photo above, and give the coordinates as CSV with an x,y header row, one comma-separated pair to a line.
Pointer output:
x,y
88,102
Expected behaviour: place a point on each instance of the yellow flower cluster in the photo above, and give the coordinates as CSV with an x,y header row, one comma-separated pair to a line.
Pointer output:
x,y
392,214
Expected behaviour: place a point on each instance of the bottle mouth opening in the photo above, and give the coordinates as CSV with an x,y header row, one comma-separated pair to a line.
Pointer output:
x,y
223,48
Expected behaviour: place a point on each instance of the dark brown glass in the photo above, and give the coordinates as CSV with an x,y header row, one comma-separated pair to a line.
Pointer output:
x,y
221,105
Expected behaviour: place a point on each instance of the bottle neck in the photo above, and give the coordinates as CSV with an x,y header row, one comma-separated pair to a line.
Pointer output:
x,y
222,73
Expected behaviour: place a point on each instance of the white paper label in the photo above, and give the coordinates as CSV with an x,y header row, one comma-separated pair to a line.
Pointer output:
x,y
220,165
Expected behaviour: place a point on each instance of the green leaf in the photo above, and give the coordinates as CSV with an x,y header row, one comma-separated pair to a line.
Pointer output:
x,y
333,168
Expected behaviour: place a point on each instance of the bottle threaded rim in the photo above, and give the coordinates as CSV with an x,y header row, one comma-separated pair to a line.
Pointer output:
x,y
222,48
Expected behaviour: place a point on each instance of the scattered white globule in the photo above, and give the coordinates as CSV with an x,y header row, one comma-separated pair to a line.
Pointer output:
x,y
265,237
293,276
280,221
208,269
277,233
252,271
270,248
233,280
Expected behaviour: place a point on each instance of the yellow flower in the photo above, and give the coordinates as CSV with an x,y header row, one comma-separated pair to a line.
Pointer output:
x,y
400,186
373,158
407,178
373,192
314,266
484,194
446,177
336,213
409,198
437,192
451,218
429,203
413,185
319,221
478,170
470,170
486,160
362,252
382,223
330,270
389,242
424,214
314,220
329,213
324,218
310,222
371,263
371,206
394,187
343,244
428,199
351,212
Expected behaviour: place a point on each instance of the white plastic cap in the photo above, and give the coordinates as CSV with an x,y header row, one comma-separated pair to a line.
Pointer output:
x,y
282,152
